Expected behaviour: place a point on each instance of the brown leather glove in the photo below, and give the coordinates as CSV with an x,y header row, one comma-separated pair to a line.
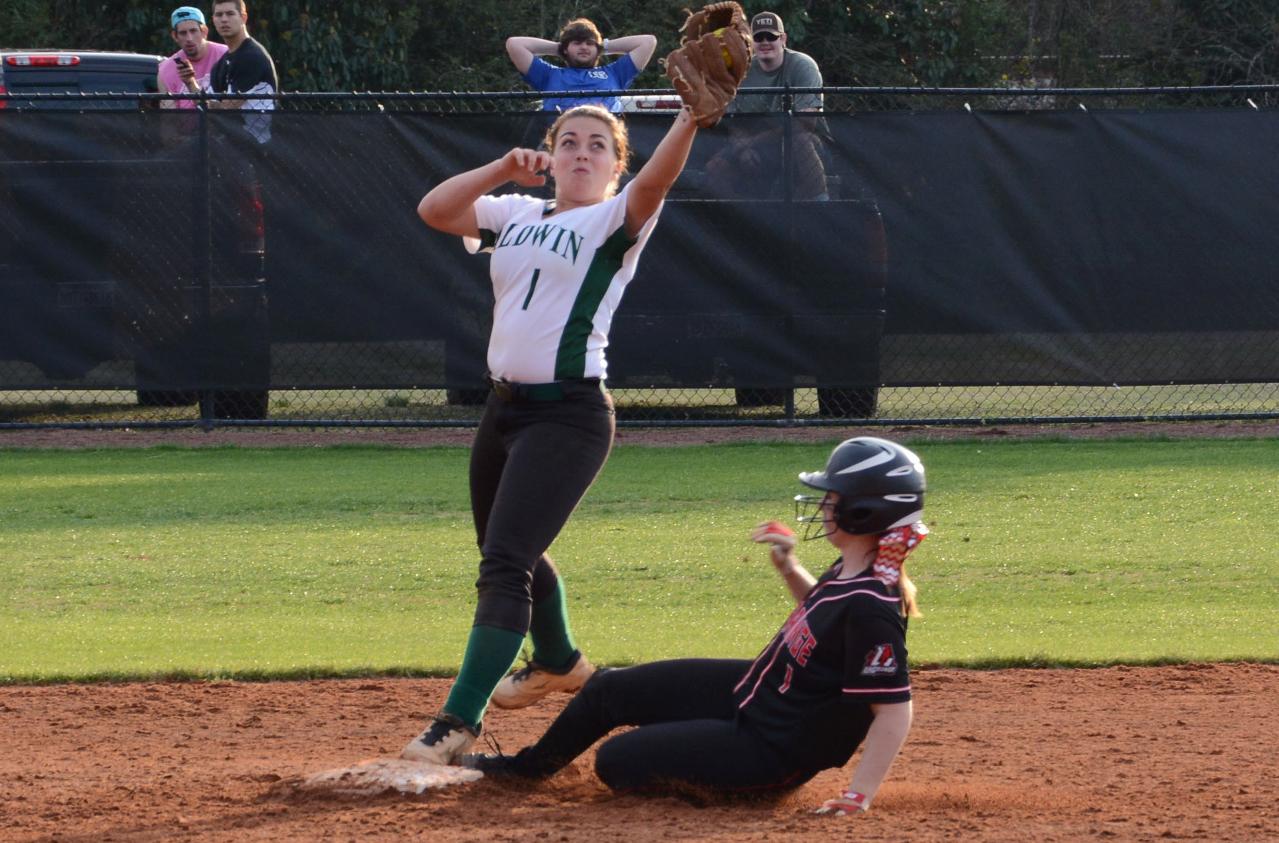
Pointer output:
x,y
711,61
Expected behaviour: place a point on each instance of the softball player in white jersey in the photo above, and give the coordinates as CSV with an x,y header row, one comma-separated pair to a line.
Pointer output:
x,y
558,272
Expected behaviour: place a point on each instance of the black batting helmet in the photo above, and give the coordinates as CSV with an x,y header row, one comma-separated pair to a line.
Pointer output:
x,y
880,486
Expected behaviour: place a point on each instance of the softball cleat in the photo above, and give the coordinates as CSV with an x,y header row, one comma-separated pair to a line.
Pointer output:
x,y
532,682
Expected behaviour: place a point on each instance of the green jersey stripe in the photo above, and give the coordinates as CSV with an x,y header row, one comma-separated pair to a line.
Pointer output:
x,y
570,358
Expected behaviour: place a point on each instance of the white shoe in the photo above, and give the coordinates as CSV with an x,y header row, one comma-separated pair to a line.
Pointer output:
x,y
532,682
445,741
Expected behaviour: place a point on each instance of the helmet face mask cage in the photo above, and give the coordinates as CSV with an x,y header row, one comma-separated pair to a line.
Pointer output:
x,y
809,512
859,516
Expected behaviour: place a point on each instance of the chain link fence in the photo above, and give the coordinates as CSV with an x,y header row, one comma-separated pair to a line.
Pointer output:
x,y
170,269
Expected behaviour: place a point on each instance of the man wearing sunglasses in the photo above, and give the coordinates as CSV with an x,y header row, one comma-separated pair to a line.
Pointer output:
x,y
753,155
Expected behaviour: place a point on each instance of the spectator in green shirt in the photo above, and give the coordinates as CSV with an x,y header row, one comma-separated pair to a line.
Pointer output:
x,y
752,159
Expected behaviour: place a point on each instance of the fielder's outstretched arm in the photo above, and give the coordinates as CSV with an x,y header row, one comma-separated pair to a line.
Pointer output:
x,y
651,184
450,205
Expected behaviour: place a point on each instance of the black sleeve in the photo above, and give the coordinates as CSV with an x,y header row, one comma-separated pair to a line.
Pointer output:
x,y
253,73
488,241
218,75
875,658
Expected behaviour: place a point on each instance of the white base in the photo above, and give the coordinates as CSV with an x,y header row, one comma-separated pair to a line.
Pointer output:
x,y
380,775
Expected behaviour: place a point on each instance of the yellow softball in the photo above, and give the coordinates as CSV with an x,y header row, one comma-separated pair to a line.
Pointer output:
x,y
728,60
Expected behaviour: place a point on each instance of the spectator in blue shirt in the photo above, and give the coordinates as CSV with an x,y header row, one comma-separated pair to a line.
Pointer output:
x,y
581,47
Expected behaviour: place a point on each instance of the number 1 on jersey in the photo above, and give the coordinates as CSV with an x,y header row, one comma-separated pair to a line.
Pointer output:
x,y
531,287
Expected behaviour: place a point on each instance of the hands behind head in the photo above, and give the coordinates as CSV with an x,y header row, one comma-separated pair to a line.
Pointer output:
x,y
526,167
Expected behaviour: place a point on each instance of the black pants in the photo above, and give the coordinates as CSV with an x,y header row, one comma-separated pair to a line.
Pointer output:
x,y
531,463
689,735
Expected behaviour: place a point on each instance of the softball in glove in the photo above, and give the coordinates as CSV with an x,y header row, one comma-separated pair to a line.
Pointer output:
x,y
711,61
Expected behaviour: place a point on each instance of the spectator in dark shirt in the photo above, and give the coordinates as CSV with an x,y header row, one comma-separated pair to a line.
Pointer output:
x,y
245,69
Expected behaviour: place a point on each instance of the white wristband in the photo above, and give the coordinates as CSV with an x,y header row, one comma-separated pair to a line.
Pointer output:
x,y
604,47
858,799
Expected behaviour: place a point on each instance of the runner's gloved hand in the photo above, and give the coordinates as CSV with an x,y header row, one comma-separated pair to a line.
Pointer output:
x,y
781,538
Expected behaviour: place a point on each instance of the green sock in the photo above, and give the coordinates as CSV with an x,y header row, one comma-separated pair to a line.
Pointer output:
x,y
553,644
490,652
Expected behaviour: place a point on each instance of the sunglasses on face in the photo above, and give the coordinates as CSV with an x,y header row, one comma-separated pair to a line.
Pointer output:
x,y
761,37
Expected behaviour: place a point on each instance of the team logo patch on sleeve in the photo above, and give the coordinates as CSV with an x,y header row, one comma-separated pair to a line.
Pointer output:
x,y
880,660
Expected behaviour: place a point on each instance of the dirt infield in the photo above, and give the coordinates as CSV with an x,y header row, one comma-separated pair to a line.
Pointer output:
x,y
1119,753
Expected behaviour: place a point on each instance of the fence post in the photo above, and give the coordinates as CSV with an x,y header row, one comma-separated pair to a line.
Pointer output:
x,y
788,164
788,179
203,251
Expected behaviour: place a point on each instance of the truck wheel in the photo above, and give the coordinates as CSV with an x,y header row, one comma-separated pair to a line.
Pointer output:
x,y
167,397
847,403
760,397
466,397
240,404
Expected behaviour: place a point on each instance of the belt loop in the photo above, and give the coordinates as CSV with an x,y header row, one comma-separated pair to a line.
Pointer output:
x,y
502,389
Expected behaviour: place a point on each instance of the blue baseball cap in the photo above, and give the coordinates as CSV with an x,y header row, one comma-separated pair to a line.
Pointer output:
x,y
186,13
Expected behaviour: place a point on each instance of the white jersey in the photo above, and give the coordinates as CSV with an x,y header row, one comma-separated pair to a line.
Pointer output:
x,y
557,280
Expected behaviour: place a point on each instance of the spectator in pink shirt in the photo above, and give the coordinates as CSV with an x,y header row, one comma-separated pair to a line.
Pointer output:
x,y
187,71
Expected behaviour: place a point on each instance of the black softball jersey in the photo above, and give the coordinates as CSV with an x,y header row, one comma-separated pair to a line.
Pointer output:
x,y
841,649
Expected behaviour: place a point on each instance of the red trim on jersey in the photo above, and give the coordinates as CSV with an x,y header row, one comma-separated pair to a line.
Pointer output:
x,y
904,688
762,674
779,636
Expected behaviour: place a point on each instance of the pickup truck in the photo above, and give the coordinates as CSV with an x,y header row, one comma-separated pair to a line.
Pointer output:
x,y
75,71
89,281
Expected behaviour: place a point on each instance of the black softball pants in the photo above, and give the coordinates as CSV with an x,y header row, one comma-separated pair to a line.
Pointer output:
x,y
531,463
689,736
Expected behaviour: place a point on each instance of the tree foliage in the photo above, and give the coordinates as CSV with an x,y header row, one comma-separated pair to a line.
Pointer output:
x,y
459,44
901,42
328,45
1222,42
340,45
1150,42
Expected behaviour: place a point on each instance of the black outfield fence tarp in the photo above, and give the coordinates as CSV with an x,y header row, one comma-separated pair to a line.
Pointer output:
x,y
172,254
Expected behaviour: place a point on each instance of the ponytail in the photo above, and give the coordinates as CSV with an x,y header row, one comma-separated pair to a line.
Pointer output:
x,y
910,605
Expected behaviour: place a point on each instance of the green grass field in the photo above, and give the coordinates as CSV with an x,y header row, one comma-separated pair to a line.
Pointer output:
x,y
336,561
